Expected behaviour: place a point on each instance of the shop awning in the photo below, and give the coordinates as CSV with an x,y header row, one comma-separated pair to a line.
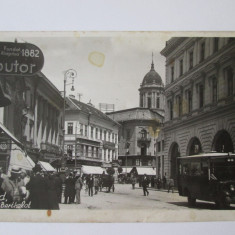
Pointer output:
x,y
10,135
96,170
46,166
19,159
146,170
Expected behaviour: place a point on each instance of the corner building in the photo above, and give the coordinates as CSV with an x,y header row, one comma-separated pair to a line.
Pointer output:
x,y
200,98
140,127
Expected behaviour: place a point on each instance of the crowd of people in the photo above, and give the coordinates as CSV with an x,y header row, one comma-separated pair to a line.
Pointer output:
x,y
38,189
43,190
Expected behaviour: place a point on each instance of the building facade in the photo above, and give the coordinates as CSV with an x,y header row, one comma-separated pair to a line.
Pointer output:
x,y
34,115
200,98
141,126
90,135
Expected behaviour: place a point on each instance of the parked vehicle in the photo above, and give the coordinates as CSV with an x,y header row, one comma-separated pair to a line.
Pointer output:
x,y
107,181
208,177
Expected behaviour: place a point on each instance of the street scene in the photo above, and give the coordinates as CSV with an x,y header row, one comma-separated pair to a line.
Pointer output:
x,y
117,121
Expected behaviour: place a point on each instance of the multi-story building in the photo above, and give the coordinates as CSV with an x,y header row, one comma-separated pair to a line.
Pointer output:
x,y
140,126
34,115
90,135
200,98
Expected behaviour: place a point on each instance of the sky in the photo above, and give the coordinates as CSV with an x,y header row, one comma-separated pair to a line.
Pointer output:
x,y
110,66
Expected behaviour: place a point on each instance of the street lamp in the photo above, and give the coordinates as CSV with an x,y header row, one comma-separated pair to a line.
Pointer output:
x,y
69,74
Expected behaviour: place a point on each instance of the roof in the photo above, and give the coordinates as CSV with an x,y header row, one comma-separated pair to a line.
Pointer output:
x,y
135,114
152,77
212,154
88,109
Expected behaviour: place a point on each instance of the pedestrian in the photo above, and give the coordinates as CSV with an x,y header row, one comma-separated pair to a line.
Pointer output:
x,y
69,187
11,186
90,185
37,187
152,182
96,184
58,185
171,185
2,192
53,203
145,183
78,187
159,182
133,182
164,181
73,190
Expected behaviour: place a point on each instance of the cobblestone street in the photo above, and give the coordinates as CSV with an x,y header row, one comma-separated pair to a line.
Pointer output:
x,y
125,197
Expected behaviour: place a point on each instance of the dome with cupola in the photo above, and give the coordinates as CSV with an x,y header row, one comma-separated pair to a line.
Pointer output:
x,y
152,77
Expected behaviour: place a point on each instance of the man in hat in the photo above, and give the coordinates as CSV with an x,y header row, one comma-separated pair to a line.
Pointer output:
x,y
69,189
145,183
11,186
2,192
37,187
78,187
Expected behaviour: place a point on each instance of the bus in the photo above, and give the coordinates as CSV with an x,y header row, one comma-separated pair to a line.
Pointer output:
x,y
207,177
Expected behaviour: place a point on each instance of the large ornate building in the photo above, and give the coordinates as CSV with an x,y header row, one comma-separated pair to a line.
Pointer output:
x,y
140,126
90,136
33,114
200,98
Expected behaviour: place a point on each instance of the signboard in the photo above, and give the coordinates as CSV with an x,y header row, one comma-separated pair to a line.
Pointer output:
x,y
20,58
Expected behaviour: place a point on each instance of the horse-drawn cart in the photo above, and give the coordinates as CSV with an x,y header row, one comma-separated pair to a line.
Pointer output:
x,y
107,181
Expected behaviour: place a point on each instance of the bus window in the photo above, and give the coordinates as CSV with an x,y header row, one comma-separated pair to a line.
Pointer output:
x,y
185,168
204,167
195,168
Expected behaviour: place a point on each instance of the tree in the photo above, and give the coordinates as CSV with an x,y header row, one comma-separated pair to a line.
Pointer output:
x,y
110,171
120,170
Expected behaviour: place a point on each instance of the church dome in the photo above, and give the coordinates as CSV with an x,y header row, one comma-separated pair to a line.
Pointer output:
x,y
152,77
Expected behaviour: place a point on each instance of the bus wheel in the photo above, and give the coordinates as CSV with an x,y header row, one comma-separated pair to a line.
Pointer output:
x,y
191,200
222,203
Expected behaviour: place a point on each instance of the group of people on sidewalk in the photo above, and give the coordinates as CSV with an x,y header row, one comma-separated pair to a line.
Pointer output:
x,y
38,189
145,181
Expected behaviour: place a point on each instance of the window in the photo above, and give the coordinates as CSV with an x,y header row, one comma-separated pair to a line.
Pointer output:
x,y
202,52
191,60
100,134
141,100
96,133
189,101
159,146
216,45
109,155
179,106
181,67
172,73
105,135
113,140
229,77
214,90
143,134
201,96
128,134
81,129
87,155
170,109
85,130
163,145
158,102
109,136
92,151
195,168
105,155
92,131
70,150
149,102
137,162
70,128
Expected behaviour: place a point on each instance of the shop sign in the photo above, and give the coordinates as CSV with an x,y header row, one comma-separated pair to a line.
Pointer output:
x,y
20,59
